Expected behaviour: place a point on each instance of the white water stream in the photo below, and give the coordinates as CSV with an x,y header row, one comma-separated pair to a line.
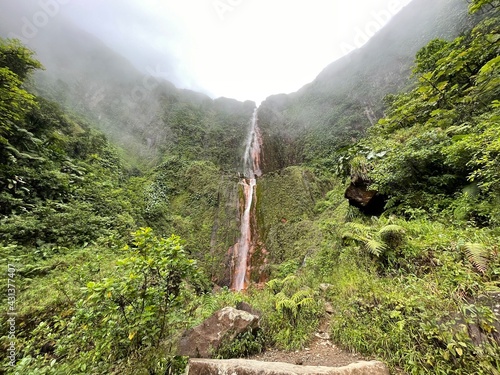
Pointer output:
x,y
244,247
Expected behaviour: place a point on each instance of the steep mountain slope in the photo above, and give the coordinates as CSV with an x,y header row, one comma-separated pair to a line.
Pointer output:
x,y
139,112
347,96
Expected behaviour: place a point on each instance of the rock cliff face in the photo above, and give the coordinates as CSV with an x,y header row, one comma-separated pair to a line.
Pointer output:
x,y
249,367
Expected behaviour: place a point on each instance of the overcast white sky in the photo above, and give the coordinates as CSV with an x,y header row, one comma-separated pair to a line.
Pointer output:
x,y
244,49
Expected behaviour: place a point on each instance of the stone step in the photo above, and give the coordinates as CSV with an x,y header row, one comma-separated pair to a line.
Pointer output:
x,y
251,367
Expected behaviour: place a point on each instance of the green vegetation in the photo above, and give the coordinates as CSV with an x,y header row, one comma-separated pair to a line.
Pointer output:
x,y
69,204
417,311
131,313
440,141
296,314
244,345
62,183
415,287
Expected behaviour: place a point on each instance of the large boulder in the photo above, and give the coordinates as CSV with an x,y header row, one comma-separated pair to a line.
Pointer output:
x,y
243,306
249,367
222,327
370,202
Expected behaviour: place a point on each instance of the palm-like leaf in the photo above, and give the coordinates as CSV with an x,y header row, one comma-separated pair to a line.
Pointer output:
x,y
358,228
301,295
478,255
356,231
307,302
285,304
364,234
275,285
375,247
391,229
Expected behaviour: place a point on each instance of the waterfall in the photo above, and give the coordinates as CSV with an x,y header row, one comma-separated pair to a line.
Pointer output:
x,y
251,157
245,246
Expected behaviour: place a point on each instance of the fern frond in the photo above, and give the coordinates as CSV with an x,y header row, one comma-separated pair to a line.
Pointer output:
x,y
391,229
391,203
280,296
289,279
290,282
478,255
358,228
307,302
301,295
285,304
275,285
352,236
356,231
375,247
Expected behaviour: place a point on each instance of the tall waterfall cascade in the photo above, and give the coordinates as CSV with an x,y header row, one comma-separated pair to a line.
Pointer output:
x,y
245,247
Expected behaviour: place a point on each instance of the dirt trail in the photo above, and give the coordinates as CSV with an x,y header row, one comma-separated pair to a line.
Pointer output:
x,y
320,352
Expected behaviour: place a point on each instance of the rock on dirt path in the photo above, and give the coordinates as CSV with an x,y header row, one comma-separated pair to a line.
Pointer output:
x,y
249,367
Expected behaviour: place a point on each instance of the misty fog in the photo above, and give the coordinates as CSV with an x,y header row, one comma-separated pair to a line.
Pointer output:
x,y
240,49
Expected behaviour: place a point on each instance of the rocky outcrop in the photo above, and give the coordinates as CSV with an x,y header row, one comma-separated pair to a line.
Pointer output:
x,y
243,306
224,326
249,367
370,202
475,328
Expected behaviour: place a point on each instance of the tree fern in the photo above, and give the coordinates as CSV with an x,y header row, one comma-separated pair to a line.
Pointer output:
x,y
359,228
392,235
302,295
375,242
304,299
275,285
291,306
364,234
286,305
357,232
291,281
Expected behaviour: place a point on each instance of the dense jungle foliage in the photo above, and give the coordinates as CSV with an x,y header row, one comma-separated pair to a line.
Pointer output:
x,y
111,261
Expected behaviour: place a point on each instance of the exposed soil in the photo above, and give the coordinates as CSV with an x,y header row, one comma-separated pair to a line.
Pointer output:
x,y
320,352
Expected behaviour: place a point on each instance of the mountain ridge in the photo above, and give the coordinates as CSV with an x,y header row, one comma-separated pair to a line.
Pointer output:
x,y
347,96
